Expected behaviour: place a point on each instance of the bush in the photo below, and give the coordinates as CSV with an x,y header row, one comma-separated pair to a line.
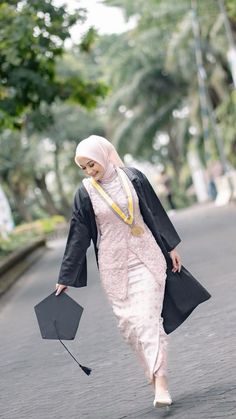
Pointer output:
x,y
27,232
43,226
15,241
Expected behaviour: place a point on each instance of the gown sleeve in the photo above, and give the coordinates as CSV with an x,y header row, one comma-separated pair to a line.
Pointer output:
x,y
167,231
73,271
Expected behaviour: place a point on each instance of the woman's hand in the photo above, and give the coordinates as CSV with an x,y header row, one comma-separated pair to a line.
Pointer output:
x,y
176,260
60,288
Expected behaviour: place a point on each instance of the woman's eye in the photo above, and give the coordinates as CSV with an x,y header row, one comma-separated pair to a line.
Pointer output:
x,y
91,165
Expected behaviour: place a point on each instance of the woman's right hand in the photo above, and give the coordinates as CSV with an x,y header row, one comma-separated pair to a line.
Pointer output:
x,y
60,288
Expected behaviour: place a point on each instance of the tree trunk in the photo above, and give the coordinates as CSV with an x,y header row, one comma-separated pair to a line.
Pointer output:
x,y
49,206
174,155
19,197
65,206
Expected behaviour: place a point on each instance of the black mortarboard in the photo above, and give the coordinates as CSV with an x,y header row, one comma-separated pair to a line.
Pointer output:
x,y
58,318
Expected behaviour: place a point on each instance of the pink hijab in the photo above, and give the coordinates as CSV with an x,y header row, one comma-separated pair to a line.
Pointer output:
x,y
100,150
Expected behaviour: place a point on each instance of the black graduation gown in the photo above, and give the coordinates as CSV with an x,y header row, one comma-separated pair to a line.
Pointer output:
x,y
183,293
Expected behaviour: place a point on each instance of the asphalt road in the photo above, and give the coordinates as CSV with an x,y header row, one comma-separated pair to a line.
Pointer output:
x,y
38,379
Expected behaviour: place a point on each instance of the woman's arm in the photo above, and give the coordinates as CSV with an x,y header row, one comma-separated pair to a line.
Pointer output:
x,y
176,260
167,231
73,271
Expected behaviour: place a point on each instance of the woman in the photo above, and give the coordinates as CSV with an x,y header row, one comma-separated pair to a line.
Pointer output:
x,y
135,245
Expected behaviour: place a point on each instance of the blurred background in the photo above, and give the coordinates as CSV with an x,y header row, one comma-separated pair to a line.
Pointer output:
x,y
155,77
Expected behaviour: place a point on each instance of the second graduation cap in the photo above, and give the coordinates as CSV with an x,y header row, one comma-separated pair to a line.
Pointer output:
x,y
58,318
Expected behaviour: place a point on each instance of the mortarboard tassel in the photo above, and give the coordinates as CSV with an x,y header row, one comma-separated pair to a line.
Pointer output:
x,y
85,369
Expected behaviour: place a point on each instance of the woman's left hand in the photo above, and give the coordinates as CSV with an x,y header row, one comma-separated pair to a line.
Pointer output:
x,y
176,260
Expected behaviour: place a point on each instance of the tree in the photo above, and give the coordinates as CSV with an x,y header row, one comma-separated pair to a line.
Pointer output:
x,y
32,35
154,75
32,46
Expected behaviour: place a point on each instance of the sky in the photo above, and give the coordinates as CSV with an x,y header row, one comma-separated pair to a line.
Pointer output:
x,y
106,19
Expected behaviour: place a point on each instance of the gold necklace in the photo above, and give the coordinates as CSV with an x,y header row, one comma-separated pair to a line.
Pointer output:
x,y
136,230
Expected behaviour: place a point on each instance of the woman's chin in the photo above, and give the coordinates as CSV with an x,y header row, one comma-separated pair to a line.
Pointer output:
x,y
97,177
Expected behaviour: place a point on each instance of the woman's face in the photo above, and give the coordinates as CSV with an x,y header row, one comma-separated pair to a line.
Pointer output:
x,y
91,167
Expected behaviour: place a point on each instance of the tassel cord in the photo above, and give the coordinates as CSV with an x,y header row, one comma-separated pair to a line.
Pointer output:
x,y
85,369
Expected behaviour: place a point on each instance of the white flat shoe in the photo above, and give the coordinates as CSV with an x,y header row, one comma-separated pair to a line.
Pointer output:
x,y
163,399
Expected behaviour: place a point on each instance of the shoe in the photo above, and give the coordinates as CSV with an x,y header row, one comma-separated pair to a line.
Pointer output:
x,y
163,399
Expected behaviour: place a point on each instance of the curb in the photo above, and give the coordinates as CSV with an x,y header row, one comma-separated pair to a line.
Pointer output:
x,y
18,262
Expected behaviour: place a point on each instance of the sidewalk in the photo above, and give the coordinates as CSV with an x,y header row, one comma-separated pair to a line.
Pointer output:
x,y
38,379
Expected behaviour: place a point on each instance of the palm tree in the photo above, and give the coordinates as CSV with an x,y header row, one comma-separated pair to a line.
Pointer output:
x,y
153,74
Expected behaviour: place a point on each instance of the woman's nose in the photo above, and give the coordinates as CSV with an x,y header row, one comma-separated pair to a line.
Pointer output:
x,y
89,171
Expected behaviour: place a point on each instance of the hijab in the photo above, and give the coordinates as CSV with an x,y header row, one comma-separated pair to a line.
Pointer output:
x,y
102,151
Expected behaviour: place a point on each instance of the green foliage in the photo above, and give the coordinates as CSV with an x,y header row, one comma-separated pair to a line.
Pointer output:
x,y
32,36
15,242
40,226
133,88
88,40
153,73
43,105
48,225
231,9
25,233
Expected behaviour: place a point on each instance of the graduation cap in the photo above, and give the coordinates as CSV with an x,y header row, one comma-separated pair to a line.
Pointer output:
x,y
58,318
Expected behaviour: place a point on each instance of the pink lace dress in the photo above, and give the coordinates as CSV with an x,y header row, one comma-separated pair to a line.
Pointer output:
x,y
133,273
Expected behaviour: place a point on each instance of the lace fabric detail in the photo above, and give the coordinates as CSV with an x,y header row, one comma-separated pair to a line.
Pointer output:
x,y
139,319
116,244
133,272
